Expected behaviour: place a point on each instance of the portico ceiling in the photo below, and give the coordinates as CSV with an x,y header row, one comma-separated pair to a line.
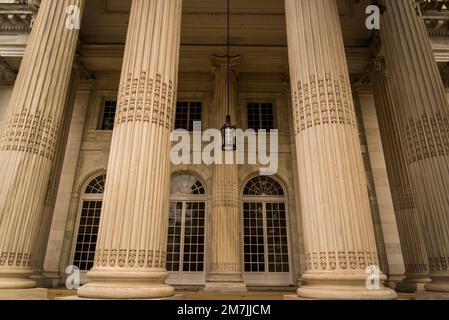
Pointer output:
x,y
258,32
253,22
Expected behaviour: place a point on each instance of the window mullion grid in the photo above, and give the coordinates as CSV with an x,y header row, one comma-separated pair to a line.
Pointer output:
x,y
182,235
265,237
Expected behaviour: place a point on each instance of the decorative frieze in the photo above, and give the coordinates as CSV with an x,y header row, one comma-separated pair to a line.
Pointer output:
x,y
321,102
332,261
127,258
426,138
146,100
12,259
31,133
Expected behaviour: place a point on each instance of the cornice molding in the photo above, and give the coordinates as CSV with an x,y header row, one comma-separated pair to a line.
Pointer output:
x,y
18,15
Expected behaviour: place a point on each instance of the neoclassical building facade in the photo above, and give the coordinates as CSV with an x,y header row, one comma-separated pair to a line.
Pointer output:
x,y
86,113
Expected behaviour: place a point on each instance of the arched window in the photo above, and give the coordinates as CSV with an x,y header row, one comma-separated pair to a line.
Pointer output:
x,y
263,186
266,250
86,240
186,230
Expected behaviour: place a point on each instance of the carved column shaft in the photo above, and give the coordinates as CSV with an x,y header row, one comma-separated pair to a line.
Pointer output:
x,y
131,249
338,228
226,262
422,113
53,183
29,139
414,253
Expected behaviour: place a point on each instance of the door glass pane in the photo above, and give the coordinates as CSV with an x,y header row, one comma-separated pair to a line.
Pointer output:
x,y
87,235
194,237
277,237
174,236
253,237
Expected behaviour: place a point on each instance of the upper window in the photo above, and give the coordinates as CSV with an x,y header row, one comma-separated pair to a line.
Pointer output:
x,y
108,114
263,186
96,186
185,184
187,113
260,116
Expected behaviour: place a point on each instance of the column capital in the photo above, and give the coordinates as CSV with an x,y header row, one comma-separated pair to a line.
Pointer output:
x,y
218,62
85,77
378,65
7,74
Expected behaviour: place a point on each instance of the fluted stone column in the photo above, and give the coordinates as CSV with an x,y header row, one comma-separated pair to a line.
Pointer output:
x,y
412,243
131,248
225,274
422,113
29,139
50,198
338,228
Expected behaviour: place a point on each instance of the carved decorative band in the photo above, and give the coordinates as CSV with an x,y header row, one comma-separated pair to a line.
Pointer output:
x,y
426,138
416,268
12,259
226,267
340,260
439,263
31,133
225,195
146,100
130,259
322,102
403,197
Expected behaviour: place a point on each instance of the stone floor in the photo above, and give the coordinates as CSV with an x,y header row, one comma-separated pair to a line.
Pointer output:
x,y
185,294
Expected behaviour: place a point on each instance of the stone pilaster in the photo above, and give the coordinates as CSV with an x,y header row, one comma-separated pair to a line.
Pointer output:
x,y
422,113
131,248
29,139
338,228
225,274
55,262
412,243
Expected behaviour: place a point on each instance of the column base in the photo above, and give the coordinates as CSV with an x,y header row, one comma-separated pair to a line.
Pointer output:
x,y
439,283
342,286
16,279
412,284
393,280
41,280
225,287
176,297
126,284
218,282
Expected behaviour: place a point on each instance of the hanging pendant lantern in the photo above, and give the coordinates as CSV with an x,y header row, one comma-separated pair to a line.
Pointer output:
x,y
228,133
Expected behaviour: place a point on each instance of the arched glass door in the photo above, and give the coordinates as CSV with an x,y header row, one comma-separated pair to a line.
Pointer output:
x,y
266,243
88,225
186,231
